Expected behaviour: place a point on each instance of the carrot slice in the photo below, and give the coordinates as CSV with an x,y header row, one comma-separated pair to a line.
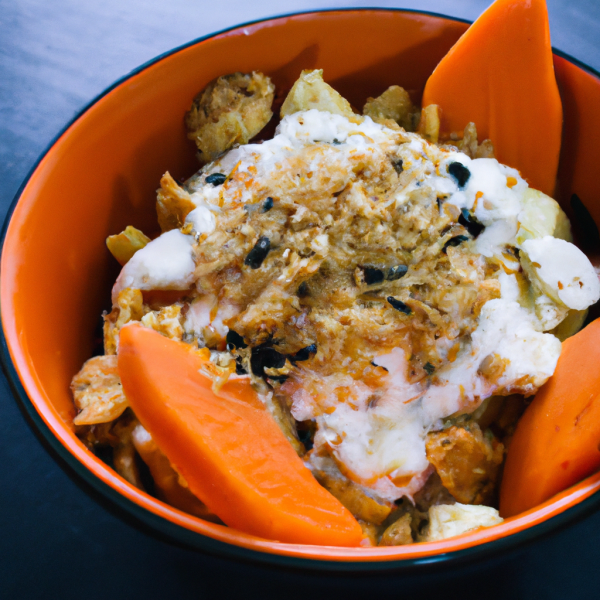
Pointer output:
x,y
228,448
500,76
556,441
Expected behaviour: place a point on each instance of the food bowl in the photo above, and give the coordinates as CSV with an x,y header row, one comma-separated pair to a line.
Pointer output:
x,y
101,173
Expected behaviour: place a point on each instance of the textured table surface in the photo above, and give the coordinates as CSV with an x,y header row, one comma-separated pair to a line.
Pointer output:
x,y
56,539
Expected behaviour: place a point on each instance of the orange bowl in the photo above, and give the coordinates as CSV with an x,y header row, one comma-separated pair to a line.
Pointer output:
x,y
101,173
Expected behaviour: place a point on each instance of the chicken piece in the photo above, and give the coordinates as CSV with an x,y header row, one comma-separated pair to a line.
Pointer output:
x,y
97,391
124,453
350,494
232,109
173,204
167,482
125,244
130,307
399,532
394,104
466,461
310,91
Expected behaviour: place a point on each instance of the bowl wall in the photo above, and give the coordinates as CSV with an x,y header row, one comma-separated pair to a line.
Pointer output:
x,y
101,175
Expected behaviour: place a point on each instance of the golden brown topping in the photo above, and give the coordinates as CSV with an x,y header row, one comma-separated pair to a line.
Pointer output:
x,y
173,204
230,110
124,452
394,104
130,307
351,495
310,91
467,462
398,533
429,125
97,391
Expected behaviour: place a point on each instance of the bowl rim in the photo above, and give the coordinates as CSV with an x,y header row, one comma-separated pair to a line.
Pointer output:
x,y
472,550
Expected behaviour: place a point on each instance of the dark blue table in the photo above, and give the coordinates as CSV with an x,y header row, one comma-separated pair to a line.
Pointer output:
x,y
57,539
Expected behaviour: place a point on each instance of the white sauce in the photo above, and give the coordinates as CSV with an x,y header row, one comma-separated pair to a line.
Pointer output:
x,y
166,263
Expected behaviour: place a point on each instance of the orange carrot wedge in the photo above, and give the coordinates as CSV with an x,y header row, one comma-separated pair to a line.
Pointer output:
x,y
500,76
228,448
556,441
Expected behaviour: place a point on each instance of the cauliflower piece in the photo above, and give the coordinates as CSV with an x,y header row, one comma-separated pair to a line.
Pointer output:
x,y
446,521
540,216
561,271
232,109
97,391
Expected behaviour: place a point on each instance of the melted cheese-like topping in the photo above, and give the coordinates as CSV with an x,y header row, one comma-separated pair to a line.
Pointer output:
x,y
380,442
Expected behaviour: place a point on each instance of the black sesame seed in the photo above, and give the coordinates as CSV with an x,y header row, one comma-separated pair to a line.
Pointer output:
x,y
372,275
398,165
216,179
376,365
264,357
304,353
268,205
429,368
336,142
303,290
460,173
468,221
396,272
257,255
455,241
234,340
399,305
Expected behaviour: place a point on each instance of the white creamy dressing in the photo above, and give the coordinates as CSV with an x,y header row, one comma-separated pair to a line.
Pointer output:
x,y
165,263
382,443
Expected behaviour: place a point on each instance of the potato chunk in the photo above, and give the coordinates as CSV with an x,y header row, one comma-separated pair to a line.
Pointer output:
x,y
232,109
447,521
125,244
310,91
466,461
394,104
98,392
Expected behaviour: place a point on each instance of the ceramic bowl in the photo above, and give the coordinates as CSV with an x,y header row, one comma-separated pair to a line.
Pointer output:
x,y
101,173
